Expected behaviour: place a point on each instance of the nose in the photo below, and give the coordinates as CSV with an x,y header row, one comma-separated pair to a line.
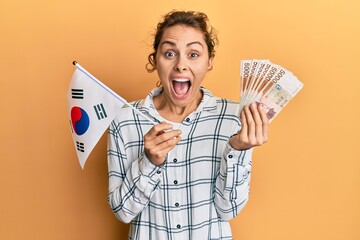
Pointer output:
x,y
181,64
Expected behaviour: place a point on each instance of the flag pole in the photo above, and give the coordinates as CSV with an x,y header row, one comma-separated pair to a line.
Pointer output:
x,y
78,66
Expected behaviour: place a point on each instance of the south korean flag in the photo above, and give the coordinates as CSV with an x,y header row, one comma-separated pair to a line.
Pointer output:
x,y
92,107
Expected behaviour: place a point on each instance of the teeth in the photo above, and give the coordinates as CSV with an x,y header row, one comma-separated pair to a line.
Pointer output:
x,y
181,80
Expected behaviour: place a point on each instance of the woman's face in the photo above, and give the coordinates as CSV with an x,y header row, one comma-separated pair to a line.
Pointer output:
x,y
182,61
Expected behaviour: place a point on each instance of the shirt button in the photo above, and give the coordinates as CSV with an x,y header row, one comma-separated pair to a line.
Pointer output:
x,y
230,156
175,160
178,226
187,119
177,204
175,182
158,172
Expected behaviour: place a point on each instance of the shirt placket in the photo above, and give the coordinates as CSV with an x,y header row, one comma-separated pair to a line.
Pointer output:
x,y
176,179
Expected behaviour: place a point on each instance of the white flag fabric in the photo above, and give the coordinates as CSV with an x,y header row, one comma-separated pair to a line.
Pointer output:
x,y
92,107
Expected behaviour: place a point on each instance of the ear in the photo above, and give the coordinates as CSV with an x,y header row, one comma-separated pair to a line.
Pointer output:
x,y
152,61
210,63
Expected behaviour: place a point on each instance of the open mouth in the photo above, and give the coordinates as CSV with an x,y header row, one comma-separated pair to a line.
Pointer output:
x,y
181,86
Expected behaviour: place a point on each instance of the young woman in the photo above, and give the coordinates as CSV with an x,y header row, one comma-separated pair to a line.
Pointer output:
x,y
185,177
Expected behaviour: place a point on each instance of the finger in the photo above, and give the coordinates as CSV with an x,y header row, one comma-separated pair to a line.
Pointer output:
x,y
165,136
160,150
169,144
250,123
244,126
265,122
258,124
158,129
155,131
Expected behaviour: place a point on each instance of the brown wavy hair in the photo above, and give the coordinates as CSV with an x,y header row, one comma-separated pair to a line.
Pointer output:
x,y
197,20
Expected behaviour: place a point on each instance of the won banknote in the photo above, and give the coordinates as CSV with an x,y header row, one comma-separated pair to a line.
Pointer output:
x,y
267,83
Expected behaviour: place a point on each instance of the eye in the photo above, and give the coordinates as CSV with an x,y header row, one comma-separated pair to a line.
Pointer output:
x,y
170,54
194,55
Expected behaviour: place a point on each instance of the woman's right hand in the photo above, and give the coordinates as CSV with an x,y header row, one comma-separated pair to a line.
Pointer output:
x,y
159,141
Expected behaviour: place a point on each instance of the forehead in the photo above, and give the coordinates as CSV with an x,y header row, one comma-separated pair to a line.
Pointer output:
x,y
182,34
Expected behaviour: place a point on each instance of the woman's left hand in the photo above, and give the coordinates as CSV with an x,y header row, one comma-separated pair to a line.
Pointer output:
x,y
254,128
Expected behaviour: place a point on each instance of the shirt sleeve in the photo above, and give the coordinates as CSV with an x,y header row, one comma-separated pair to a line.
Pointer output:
x,y
131,181
233,182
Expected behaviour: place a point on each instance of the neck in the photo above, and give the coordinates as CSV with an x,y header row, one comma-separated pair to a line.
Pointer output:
x,y
172,112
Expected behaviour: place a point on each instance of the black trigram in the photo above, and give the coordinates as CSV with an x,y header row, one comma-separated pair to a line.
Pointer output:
x,y
100,111
77,93
80,146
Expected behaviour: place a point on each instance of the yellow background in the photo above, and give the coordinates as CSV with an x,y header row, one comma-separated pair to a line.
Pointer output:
x,y
305,182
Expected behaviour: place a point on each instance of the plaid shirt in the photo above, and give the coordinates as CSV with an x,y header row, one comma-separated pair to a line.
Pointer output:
x,y
203,183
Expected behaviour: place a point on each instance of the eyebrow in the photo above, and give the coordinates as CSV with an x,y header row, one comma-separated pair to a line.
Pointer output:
x,y
189,44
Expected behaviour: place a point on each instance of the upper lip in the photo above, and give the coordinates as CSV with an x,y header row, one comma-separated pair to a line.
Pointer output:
x,y
177,78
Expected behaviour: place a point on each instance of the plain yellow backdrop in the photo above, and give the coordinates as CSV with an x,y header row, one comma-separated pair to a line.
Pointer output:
x,y
306,179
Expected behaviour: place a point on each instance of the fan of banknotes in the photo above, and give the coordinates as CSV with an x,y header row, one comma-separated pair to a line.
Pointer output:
x,y
267,83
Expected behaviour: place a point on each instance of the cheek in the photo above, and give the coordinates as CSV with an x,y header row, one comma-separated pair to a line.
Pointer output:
x,y
202,69
163,71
